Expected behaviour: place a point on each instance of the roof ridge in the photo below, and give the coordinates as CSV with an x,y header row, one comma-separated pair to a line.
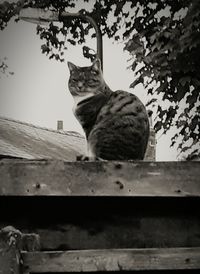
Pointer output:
x,y
69,132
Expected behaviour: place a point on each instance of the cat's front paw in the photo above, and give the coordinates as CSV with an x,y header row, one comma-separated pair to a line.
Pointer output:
x,y
82,158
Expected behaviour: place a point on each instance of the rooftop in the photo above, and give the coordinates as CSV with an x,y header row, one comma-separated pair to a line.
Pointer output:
x,y
27,141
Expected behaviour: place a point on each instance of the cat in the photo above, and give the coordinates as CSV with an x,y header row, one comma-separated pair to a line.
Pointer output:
x,y
116,124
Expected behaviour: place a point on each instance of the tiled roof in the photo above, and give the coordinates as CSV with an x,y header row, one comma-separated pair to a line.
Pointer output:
x,y
23,140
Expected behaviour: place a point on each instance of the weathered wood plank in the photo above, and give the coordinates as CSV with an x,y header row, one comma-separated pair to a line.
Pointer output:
x,y
50,177
112,260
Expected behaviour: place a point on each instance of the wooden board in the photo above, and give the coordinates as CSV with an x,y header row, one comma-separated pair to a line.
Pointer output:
x,y
112,260
50,177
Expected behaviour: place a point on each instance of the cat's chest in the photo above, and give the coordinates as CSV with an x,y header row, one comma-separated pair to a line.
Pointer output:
x,y
78,100
87,109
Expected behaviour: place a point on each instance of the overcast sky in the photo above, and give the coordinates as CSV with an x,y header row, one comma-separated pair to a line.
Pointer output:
x,y
38,92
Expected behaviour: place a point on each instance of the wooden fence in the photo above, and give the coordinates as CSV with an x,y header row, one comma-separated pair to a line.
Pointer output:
x,y
59,217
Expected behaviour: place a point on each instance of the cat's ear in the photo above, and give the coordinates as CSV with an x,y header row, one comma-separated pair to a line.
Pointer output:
x,y
97,65
71,66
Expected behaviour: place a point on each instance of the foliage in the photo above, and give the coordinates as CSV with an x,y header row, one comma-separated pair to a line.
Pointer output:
x,y
163,39
4,67
168,48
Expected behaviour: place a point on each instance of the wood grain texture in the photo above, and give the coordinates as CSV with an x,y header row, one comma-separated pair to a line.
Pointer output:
x,y
52,177
112,260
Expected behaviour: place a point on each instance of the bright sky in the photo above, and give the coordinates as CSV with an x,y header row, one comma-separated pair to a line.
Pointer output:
x,y
38,92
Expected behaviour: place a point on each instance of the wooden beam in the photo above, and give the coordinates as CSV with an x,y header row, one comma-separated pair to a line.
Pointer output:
x,y
52,177
112,260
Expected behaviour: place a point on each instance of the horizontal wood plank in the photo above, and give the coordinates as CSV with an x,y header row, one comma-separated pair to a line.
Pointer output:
x,y
112,260
52,177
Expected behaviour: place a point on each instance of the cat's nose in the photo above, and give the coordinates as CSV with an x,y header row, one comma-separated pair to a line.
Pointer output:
x,y
80,86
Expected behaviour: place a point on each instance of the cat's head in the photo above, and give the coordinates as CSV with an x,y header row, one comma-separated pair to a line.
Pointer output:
x,y
85,80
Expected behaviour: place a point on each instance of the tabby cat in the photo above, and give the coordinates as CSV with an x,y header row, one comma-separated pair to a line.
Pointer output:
x,y
116,123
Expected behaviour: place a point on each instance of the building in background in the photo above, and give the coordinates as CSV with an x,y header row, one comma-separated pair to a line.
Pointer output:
x,y
26,141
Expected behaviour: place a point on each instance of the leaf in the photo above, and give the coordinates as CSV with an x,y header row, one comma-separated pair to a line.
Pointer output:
x,y
195,122
158,126
181,92
72,42
185,80
137,81
57,57
162,87
153,100
185,149
45,49
134,44
150,91
193,97
194,155
117,37
153,38
196,82
134,65
89,53
51,56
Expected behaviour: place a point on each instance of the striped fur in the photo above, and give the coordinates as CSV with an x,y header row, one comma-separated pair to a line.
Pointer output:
x,y
115,123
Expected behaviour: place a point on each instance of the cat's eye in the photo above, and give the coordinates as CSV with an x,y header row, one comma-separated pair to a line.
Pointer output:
x,y
91,82
94,72
74,80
